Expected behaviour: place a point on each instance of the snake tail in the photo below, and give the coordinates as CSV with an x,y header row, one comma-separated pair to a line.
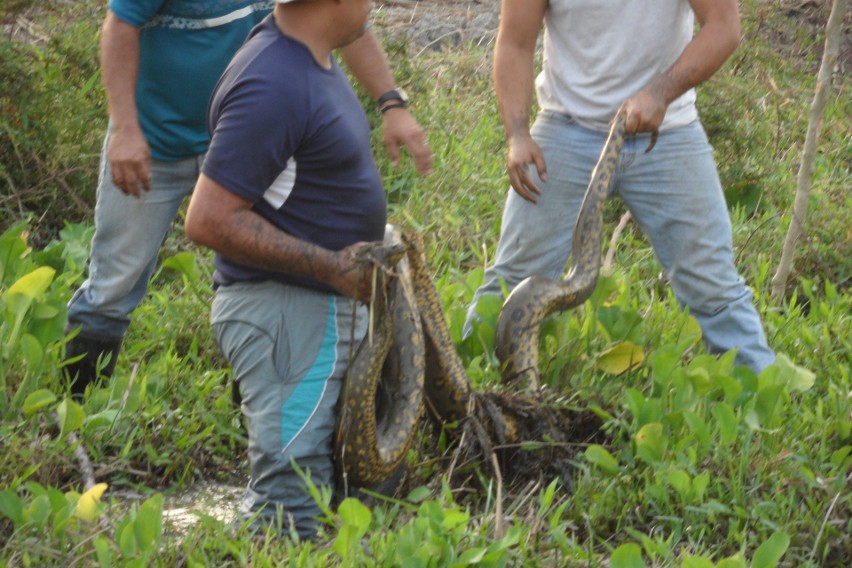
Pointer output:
x,y
446,384
536,297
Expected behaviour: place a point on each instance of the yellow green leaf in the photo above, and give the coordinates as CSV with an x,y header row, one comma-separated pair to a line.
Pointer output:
x,y
621,358
88,503
71,416
37,400
28,288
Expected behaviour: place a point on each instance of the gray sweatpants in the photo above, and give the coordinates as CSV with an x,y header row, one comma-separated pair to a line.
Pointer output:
x,y
289,348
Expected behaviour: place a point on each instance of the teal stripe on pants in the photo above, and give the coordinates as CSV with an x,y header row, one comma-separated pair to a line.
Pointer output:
x,y
301,405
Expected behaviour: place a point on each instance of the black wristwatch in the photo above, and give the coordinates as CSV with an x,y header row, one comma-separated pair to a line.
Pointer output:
x,y
396,94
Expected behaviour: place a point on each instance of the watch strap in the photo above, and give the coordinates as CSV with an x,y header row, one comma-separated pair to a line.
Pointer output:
x,y
400,104
393,94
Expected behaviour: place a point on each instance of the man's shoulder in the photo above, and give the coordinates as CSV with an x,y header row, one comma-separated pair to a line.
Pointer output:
x,y
188,14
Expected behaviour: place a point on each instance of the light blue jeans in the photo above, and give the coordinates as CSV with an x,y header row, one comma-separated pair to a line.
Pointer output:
x,y
128,234
289,348
674,195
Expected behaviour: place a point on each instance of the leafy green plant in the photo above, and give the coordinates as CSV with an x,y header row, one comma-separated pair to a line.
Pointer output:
x,y
703,463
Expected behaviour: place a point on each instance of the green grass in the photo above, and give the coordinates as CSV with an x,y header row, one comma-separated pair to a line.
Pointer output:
x,y
707,465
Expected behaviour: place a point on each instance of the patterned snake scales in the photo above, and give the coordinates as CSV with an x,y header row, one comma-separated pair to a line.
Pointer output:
x,y
408,352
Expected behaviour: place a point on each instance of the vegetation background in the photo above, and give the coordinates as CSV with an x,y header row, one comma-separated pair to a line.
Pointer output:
x,y
699,463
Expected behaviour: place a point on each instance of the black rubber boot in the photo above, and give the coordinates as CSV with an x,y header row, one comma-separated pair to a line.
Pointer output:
x,y
98,352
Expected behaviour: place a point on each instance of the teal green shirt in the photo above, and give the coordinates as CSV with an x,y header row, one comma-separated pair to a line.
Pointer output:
x,y
184,47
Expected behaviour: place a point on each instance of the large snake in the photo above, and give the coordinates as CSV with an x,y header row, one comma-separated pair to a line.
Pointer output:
x,y
410,351
536,297
406,354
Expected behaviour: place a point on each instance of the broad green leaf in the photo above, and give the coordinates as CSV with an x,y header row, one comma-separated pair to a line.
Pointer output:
x,y
30,287
470,557
32,351
621,323
354,513
44,311
71,416
695,562
735,561
48,330
127,541
766,403
715,506
599,456
103,550
700,379
745,193
747,378
680,481
627,556
87,505
634,400
770,552
38,400
699,486
797,378
546,498
838,458
12,506
621,358
690,333
652,411
418,494
663,361
752,420
148,526
455,518
38,511
185,263
13,244
698,427
651,442
101,419
732,387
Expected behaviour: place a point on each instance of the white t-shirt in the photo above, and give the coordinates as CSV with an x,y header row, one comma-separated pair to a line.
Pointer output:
x,y
597,53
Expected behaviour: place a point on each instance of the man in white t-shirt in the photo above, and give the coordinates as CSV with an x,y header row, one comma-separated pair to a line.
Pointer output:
x,y
599,56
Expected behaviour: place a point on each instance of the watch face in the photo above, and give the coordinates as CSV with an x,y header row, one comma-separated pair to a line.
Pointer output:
x,y
394,94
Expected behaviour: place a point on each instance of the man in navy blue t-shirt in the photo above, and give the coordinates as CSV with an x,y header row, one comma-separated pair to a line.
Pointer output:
x,y
288,192
160,59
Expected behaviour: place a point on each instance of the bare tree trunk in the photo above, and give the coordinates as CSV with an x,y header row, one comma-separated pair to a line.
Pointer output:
x,y
806,168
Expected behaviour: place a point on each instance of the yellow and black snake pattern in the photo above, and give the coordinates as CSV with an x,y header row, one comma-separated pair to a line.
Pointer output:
x,y
409,351
382,398
536,297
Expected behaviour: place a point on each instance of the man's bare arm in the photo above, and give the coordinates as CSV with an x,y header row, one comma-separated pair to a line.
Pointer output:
x,y
514,54
369,65
717,38
224,222
128,152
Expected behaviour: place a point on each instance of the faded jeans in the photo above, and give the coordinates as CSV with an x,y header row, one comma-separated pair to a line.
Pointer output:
x,y
128,234
675,196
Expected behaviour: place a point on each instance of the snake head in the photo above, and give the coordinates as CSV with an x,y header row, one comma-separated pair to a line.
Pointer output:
x,y
380,254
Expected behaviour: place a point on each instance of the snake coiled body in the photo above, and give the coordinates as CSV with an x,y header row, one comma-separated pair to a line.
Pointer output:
x,y
446,384
382,400
536,297
409,356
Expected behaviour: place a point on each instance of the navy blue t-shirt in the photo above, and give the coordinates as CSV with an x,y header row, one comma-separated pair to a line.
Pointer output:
x,y
291,137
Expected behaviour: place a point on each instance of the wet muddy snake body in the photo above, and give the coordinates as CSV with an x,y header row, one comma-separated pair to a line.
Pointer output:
x,y
408,361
